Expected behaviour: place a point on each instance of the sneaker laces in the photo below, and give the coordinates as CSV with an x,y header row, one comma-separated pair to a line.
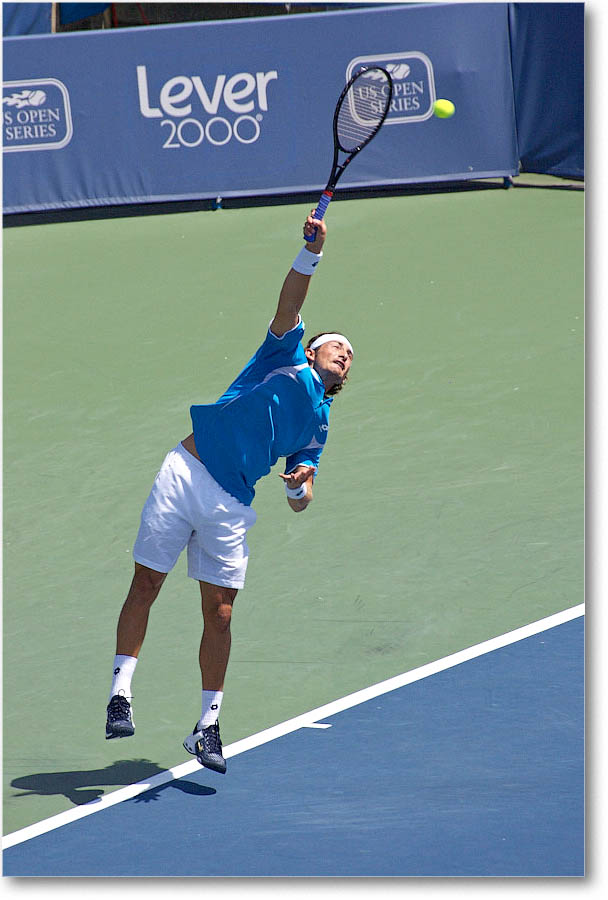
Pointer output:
x,y
119,708
210,739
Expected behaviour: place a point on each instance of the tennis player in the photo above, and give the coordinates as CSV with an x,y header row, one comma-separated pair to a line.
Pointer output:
x,y
278,406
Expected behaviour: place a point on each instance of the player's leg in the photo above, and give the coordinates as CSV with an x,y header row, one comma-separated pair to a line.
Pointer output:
x,y
217,559
130,634
133,619
214,653
163,533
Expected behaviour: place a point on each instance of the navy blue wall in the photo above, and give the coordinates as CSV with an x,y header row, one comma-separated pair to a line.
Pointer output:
x,y
547,42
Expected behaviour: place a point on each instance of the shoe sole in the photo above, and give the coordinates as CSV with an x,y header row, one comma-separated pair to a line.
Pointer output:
x,y
120,732
208,764
215,767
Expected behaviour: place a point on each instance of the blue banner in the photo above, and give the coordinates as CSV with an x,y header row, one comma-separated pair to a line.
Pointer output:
x,y
244,107
26,18
549,75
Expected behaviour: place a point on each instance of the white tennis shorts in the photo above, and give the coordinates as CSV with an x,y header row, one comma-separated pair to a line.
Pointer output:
x,y
188,508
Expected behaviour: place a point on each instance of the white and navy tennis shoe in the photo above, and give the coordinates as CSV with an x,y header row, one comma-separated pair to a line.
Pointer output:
x,y
206,745
119,722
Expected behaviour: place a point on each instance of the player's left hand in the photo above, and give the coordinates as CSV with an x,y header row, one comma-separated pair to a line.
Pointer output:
x,y
298,476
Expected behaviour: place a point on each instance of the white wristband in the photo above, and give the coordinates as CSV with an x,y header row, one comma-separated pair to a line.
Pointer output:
x,y
306,261
298,493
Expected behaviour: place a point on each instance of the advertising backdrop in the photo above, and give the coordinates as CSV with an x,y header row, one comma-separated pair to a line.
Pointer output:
x,y
244,107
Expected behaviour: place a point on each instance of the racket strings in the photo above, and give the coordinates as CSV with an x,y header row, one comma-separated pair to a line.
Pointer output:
x,y
362,110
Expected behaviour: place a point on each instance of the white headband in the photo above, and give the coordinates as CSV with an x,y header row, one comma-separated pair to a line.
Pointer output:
x,y
332,337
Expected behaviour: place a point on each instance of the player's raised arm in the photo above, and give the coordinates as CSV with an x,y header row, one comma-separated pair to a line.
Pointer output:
x,y
295,287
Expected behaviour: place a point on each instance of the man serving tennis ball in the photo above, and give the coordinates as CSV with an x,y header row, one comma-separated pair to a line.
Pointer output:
x,y
201,499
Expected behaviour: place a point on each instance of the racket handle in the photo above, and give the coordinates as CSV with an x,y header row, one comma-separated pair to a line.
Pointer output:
x,y
319,213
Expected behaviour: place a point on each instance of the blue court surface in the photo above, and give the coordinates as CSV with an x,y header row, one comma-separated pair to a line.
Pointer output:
x,y
477,770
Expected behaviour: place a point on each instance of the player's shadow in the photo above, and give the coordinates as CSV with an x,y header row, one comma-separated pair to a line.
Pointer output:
x,y
84,786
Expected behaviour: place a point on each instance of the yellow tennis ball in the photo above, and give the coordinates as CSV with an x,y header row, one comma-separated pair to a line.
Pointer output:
x,y
443,109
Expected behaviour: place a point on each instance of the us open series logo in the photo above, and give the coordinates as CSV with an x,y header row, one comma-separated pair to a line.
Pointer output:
x,y
36,115
413,84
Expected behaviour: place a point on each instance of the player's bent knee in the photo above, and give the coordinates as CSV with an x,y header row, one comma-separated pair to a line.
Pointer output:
x,y
218,617
223,617
217,606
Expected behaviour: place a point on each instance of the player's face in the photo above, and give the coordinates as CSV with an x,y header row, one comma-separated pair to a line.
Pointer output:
x,y
332,361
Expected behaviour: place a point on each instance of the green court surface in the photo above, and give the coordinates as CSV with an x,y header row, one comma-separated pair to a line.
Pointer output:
x,y
449,503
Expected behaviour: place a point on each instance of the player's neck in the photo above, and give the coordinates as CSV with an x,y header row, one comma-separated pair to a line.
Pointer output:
x,y
329,379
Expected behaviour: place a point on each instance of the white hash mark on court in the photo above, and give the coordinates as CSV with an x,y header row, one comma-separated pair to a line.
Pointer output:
x,y
307,720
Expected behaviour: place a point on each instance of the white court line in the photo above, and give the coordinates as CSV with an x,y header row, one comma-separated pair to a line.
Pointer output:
x,y
306,720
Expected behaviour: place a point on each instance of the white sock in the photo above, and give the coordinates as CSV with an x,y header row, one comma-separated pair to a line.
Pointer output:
x,y
212,701
124,667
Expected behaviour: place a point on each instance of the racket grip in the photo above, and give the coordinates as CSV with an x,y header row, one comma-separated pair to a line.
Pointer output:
x,y
319,213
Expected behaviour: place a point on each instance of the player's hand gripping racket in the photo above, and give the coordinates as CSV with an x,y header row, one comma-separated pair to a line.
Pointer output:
x,y
361,109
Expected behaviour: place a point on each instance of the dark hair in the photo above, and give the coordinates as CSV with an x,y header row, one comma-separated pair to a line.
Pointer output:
x,y
337,387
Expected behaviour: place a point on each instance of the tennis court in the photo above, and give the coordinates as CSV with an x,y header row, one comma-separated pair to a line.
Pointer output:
x,y
448,510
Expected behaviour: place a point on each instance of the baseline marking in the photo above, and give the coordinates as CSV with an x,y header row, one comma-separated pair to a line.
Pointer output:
x,y
306,720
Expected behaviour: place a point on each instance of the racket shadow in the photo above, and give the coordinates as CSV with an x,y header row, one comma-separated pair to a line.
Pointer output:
x,y
186,787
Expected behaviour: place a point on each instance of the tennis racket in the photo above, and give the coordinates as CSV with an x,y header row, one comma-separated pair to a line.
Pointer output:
x,y
361,109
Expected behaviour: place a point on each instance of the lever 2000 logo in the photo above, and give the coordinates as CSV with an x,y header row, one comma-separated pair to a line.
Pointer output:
x,y
217,109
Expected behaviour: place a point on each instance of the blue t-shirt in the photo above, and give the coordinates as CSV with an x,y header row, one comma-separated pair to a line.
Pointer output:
x,y
275,407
